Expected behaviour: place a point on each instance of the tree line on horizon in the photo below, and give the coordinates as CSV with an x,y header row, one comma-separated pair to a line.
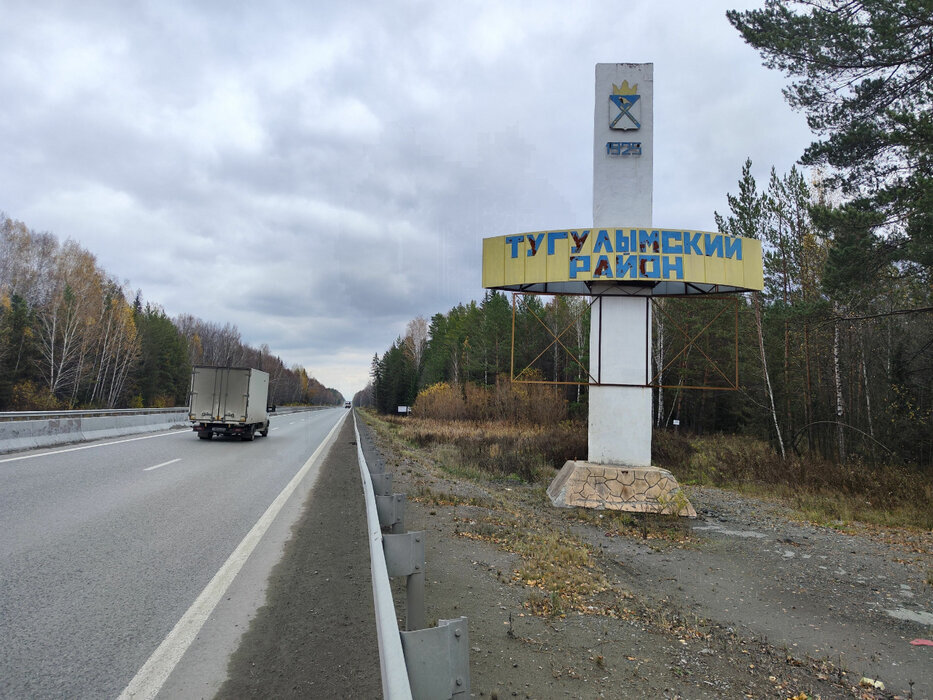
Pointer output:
x,y
72,337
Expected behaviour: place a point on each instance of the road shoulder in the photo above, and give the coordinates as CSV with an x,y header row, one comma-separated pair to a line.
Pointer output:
x,y
315,636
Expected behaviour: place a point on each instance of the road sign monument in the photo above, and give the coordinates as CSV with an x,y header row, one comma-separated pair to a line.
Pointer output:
x,y
622,261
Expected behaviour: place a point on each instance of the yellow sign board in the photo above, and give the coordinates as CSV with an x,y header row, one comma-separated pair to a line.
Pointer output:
x,y
649,262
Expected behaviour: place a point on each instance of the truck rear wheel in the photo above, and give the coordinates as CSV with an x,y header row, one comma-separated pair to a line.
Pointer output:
x,y
265,431
248,435
205,434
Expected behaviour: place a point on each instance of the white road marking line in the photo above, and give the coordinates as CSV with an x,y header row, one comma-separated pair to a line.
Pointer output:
x,y
89,447
164,464
153,674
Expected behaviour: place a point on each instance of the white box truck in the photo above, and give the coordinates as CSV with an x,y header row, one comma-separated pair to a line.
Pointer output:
x,y
229,401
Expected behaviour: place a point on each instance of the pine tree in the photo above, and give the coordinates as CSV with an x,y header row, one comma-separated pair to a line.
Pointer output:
x,y
749,219
862,72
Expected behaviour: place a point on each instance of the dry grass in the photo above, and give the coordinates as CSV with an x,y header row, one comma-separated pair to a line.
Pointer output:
x,y
820,490
500,449
561,570
534,404
653,526
424,494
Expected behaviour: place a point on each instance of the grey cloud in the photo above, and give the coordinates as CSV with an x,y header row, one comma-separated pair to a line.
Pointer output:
x,y
318,173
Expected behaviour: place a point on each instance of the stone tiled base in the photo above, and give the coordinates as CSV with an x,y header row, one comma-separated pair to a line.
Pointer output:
x,y
612,487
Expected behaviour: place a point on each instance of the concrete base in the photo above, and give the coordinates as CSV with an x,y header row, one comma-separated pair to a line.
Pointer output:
x,y
613,487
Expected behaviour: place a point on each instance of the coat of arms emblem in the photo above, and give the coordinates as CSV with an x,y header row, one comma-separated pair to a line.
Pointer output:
x,y
624,107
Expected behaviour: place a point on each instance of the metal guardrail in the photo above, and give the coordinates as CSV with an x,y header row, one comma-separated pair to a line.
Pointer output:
x,y
51,415
91,413
395,685
27,430
424,663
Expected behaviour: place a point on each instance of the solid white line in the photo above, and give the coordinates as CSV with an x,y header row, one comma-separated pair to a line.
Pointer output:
x,y
89,447
164,464
153,674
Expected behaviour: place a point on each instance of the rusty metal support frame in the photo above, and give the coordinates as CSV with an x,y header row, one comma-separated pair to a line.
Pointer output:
x,y
556,339
732,384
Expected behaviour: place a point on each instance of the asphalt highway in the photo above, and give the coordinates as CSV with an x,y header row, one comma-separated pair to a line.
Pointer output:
x,y
105,547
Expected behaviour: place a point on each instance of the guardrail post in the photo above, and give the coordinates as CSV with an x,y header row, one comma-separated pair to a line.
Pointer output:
x,y
382,484
405,557
391,511
438,660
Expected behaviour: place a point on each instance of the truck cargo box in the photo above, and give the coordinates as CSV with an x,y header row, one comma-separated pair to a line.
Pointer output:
x,y
229,400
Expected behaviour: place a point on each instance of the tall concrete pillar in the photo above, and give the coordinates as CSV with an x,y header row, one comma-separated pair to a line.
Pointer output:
x,y
620,327
618,472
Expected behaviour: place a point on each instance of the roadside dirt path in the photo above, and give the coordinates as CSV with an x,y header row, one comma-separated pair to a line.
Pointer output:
x,y
742,602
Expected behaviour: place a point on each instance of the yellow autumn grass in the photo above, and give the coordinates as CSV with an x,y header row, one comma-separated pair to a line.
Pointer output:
x,y
502,449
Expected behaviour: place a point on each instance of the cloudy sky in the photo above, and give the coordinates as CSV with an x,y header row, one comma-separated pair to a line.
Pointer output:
x,y
319,173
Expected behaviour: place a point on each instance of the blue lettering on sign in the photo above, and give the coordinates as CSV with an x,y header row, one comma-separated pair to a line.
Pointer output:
x,y
713,245
690,241
623,148
534,240
734,248
602,267
670,243
602,242
648,241
626,266
578,240
554,236
675,265
579,263
640,253
655,272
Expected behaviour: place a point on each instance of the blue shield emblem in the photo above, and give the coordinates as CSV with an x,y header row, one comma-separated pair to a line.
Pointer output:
x,y
624,112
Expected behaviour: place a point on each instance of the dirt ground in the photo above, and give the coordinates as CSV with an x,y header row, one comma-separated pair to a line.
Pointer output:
x,y
744,601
